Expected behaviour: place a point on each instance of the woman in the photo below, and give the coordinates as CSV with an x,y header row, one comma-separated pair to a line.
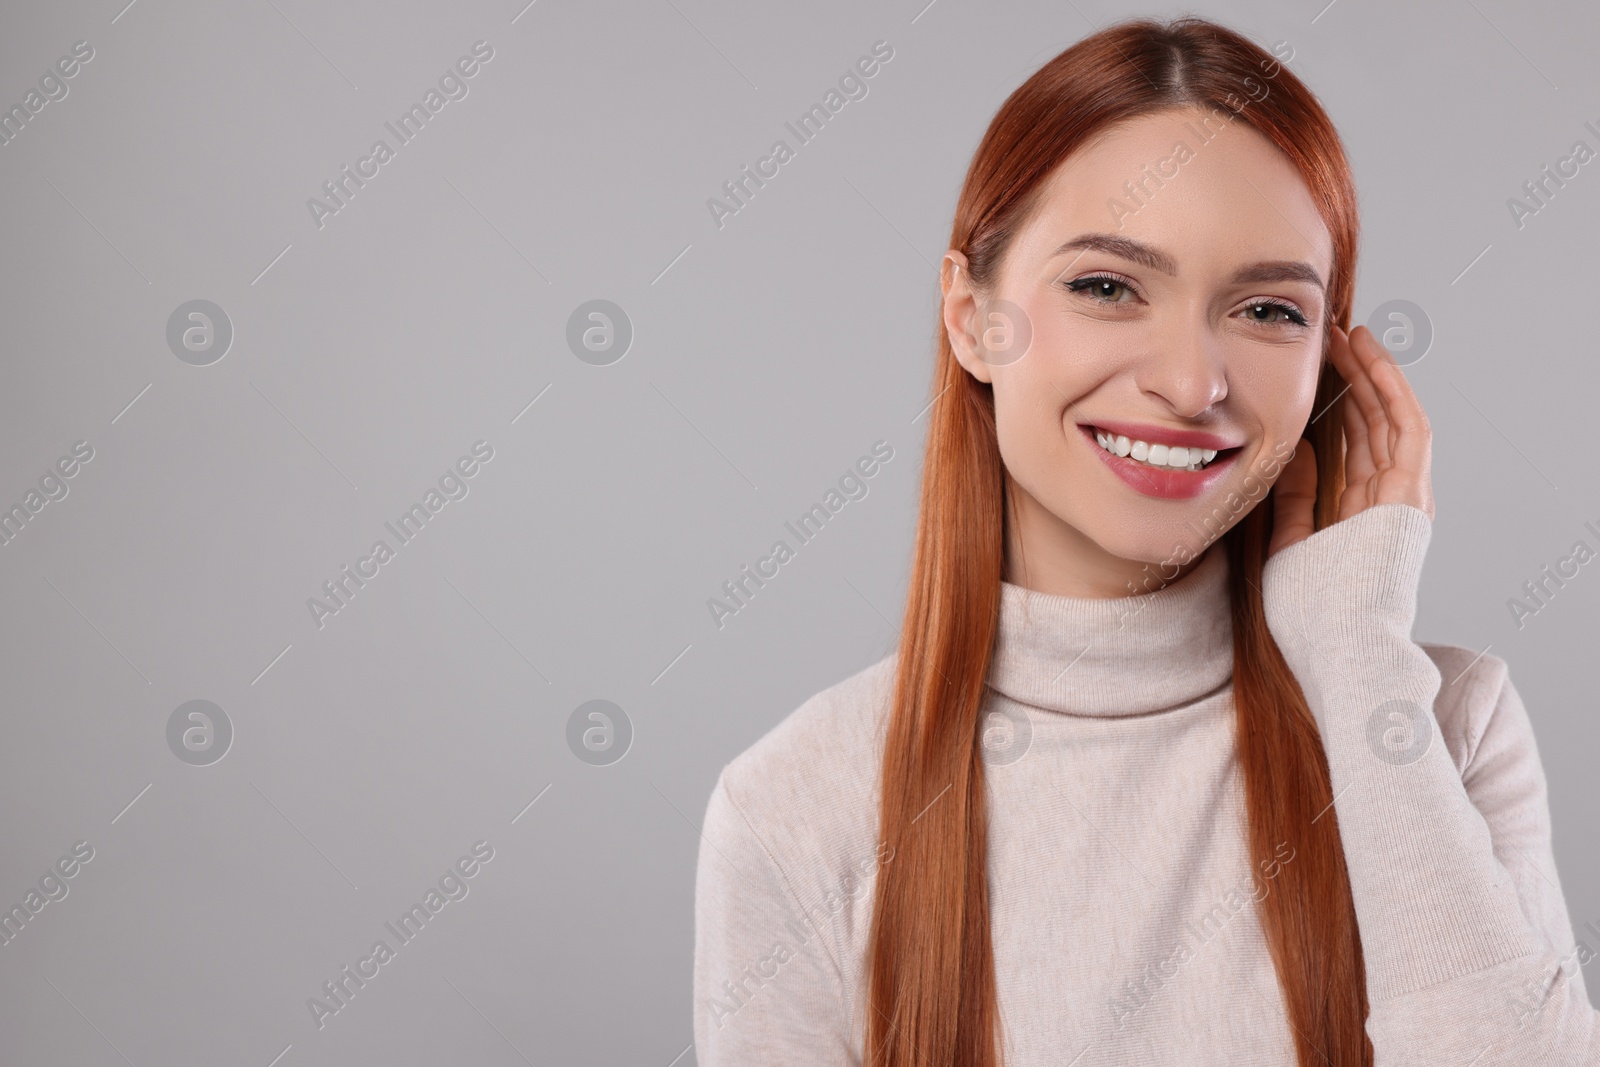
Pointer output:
x,y
1152,776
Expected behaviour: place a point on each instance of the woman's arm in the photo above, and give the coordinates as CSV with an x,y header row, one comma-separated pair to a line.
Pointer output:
x,y
1466,963
767,989
1504,776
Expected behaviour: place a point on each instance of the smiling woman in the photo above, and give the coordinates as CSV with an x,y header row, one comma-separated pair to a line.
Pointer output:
x,y
1259,705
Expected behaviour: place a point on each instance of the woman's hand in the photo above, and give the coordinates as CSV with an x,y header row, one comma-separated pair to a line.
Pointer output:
x,y
1388,444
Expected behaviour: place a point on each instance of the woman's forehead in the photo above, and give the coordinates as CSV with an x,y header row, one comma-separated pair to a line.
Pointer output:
x,y
1156,180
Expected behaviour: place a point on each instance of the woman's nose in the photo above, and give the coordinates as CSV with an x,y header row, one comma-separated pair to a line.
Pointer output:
x,y
1185,370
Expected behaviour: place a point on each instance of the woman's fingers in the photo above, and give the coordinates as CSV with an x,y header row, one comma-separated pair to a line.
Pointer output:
x,y
1400,404
1412,480
1358,466
1376,359
1387,441
1390,445
1410,436
1349,361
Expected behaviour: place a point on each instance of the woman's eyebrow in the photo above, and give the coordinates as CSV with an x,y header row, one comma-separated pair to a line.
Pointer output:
x,y
1149,256
1280,270
1126,247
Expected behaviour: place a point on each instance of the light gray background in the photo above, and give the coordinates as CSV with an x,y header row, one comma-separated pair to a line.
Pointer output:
x,y
369,354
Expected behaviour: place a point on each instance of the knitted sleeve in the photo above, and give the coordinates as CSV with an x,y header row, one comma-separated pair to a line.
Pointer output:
x,y
1464,930
766,988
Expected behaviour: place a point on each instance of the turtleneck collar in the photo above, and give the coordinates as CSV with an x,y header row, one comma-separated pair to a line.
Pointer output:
x,y
1133,655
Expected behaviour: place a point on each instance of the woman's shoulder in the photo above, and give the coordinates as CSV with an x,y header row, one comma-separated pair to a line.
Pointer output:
x,y
789,849
828,747
806,793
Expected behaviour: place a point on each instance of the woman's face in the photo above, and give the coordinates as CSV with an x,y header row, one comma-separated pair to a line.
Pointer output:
x,y
1154,342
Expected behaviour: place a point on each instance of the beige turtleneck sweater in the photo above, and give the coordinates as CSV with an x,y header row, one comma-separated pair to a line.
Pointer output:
x,y
1122,895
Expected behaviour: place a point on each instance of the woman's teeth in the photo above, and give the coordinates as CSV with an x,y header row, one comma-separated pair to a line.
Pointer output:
x,y
1174,458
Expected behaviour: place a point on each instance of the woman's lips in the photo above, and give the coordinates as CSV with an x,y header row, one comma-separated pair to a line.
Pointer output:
x,y
1163,484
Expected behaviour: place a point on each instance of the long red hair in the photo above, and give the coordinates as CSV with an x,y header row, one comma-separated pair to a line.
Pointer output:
x,y
931,980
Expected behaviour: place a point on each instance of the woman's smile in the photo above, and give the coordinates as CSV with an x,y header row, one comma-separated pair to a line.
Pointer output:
x,y
1167,464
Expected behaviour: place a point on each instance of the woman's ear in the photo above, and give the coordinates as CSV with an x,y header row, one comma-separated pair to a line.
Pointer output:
x,y
961,315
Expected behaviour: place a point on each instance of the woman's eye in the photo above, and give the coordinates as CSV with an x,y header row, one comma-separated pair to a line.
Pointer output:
x,y
1103,289
1268,311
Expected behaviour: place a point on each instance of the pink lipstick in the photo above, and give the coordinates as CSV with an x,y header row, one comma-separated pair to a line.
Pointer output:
x,y
1165,483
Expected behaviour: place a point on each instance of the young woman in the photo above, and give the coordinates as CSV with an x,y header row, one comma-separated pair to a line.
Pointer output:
x,y
1156,774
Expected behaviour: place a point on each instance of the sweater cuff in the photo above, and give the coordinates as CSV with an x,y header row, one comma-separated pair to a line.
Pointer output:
x,y
1336,601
